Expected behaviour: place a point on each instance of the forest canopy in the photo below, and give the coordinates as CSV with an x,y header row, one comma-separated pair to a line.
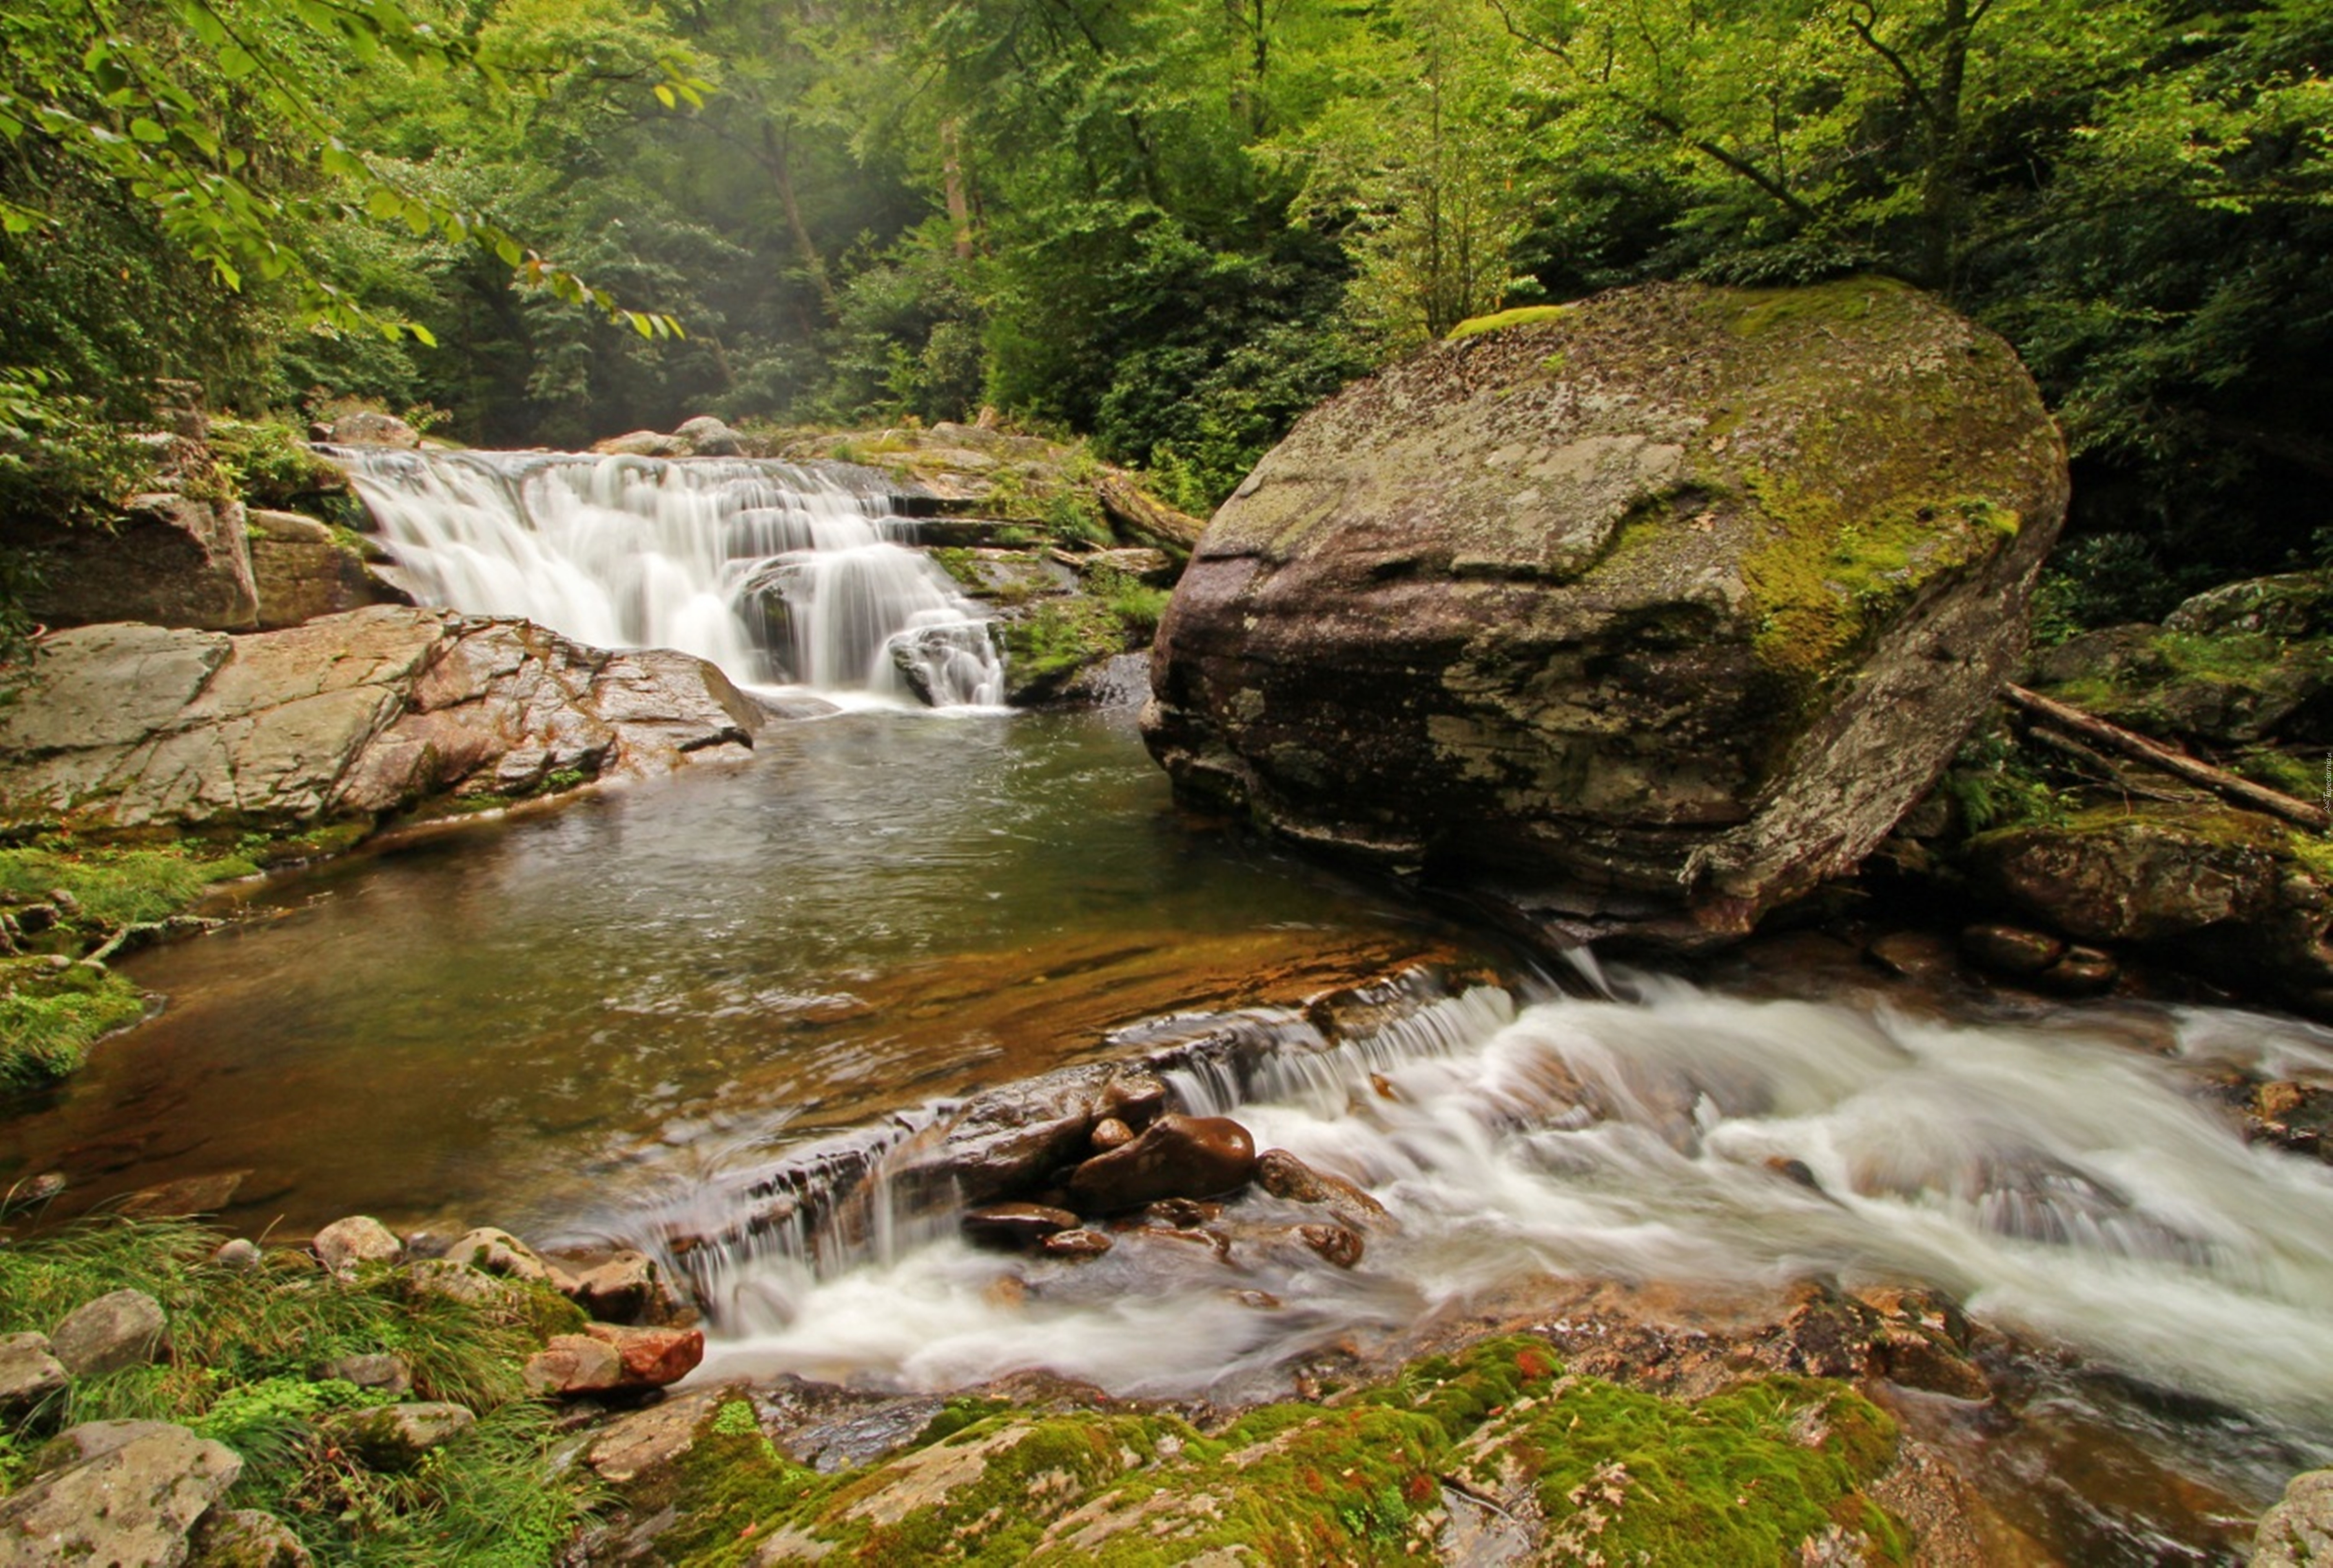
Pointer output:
x,y
1168,225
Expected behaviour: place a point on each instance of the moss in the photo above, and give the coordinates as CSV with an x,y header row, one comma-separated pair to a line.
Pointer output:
x,y
1742,1478
1829,571
1523,315
117,886
1757,311
49,1019
271,465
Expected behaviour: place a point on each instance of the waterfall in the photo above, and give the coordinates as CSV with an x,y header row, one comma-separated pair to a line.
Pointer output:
x,y
779,573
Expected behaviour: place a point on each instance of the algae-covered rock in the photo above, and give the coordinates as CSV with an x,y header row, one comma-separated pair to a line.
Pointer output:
x,y
1563,1469
1683,592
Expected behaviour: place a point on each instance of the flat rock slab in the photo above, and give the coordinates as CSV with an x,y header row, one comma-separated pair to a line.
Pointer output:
x,y
347,717
129,1500
122,1328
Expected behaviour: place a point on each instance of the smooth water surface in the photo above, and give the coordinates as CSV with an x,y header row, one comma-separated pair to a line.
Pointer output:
x,y
527,1023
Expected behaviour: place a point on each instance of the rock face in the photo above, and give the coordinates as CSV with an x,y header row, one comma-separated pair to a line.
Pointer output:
x,y
301,571
2299,1531
1683,596
349,716
171,560
122,1328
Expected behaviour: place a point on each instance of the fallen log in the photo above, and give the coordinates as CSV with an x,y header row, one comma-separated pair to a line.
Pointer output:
x,y
1148,520
2130,744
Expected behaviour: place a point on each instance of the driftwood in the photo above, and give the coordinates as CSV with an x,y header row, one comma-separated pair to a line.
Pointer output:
x,y
1151,521
2219,781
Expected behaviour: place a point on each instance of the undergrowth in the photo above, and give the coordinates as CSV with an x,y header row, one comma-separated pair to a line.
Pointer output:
x,y
244,1348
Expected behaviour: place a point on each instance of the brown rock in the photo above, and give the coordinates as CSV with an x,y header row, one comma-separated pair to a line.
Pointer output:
x,y
1017,1223
1176,1157
28,1372
1079,1243
189,1194
1110,1133
1283,1175
1914,955
573,1365
651,1358
624,1289
2011,949
2082,972
122,1328
1334,1243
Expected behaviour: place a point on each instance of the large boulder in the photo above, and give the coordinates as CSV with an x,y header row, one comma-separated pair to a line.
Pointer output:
x,y
1677,597
302,570
348,717
169,559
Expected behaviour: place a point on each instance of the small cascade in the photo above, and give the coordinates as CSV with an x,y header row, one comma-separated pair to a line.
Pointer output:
x,y
780,574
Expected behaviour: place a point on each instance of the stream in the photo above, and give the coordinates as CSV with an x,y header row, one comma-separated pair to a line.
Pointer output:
x,y
589,1023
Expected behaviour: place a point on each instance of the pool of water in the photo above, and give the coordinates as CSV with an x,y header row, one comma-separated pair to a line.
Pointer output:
x,y
530,1023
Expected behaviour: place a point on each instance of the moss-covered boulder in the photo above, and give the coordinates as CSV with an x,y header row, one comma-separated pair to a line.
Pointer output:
x,y
2230,894
1681,593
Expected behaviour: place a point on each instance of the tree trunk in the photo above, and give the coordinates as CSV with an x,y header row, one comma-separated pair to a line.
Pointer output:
x,y
777,157
959,205
2220,782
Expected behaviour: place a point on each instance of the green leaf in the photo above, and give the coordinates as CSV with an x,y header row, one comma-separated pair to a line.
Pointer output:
x,y
235,62
384,203
147,130
665,96
423,333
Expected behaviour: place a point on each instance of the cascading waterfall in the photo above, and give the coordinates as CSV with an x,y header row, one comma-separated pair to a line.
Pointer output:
x,y
2062,1183
779,573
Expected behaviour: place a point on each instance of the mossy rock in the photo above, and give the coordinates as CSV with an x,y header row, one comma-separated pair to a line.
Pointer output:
x,y
1390,1474
1682,591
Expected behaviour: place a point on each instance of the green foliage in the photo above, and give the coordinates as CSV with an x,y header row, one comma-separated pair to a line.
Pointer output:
x,y
49,1019
116,887
271,465
1993,784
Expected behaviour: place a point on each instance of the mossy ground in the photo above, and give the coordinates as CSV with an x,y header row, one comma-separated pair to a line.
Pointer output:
x,y
1744,1477
52,1010
1499,321
244,1346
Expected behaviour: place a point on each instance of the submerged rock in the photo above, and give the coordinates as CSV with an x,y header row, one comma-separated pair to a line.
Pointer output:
x,y
348,717
1674,599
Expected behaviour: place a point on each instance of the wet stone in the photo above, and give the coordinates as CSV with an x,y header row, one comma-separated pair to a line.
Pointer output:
x,y
1079,1243
1333,1243
1284,1175
1176,1157
1915,956
1017,1223
2010,950
1110,1133
623,1289
2082,972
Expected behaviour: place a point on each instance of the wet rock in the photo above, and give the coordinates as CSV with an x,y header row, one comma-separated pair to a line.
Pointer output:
x,y
626,1288
370,428
1533,603
645,1442
1176,1157
29,1373
2209,890
39,1189
609,1357
1017,1223
2081,972
245,1538
121,1493
571,1365
2296,1116
1079,1243
2011,949
1333,1243
122,1328
1006,1140
1283,1175
188,1196
2298,1531
347,1244
1796,1171
301,571
1109,1133
378,1371
240,1255
396,1437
